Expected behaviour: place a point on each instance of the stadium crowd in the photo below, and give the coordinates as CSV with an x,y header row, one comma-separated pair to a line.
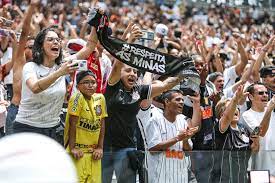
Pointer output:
x,y
57,79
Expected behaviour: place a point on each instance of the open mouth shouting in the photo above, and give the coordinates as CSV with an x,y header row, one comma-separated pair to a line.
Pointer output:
x,y
131,81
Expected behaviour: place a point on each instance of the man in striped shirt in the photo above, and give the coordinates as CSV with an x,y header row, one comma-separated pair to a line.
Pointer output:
x,y
168,135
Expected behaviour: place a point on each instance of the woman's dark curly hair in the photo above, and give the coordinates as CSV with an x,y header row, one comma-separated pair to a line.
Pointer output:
x,y
38,52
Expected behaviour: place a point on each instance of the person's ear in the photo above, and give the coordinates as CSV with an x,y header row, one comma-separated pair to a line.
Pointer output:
x,y
250,97
166,101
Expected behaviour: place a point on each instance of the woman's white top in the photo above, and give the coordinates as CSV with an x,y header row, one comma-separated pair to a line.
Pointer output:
x,y
42,109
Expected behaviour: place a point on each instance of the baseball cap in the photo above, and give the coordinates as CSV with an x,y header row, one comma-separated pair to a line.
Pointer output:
x,y
267,70
75,45
31,157
161,29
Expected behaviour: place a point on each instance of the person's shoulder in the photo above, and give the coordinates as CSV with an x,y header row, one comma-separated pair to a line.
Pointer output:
x,y
30,64
76,97
98,96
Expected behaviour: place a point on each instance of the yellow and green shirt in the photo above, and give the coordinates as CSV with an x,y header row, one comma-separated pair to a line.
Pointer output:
x,y
89,112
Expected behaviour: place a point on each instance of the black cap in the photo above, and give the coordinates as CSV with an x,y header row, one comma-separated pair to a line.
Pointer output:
x,y
267,70
82,74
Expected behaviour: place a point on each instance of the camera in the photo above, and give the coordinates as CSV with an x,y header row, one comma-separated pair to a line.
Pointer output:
x,y
146,39
81,64
147,35
4,32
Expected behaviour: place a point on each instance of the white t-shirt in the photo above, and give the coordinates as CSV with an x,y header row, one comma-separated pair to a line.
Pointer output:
x,y
229,76
41,110
5,59
3,110
161,166
264,159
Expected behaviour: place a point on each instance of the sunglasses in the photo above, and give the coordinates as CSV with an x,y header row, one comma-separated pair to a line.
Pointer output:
x,y
262,92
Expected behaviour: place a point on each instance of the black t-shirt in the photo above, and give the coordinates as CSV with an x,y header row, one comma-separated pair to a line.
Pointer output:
x,y
233,139
271,93
123,107
204,139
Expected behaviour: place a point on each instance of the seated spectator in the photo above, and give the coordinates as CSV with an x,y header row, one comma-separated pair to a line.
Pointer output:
x,y
168,136
85,127
234,139
261,115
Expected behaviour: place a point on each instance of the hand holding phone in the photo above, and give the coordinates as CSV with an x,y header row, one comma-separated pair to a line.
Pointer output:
x,y
81,65
256,131
4,32
5,22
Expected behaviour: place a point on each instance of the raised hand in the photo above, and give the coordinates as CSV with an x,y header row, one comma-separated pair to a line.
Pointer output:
x,y
135,33
240,94
269,44
93,16
68,67
195,99
127,30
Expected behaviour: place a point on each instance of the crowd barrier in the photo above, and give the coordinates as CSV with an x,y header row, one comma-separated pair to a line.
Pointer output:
x,y
181,167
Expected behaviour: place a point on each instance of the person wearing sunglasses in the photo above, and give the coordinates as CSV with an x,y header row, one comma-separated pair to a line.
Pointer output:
x,y
261,116
43,82
85,127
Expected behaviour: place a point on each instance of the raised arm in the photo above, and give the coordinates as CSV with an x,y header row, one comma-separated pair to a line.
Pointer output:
x,y
259,61
230,110
196,117
266,119
38,85
117,66
85,52
244,59
147,80
167,84
26,28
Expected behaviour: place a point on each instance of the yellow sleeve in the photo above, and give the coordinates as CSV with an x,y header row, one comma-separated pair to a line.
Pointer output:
x,y
75,106
104,107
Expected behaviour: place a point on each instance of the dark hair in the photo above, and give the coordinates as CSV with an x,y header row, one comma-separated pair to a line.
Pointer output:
x,y
38,52
213,76
83,74
250,89
30,38
168,95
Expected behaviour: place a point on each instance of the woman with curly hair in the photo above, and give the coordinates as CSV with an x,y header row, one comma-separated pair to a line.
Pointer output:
x,y
43,83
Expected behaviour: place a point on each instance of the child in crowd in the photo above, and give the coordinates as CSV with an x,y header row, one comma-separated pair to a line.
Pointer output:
x,y
84,129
